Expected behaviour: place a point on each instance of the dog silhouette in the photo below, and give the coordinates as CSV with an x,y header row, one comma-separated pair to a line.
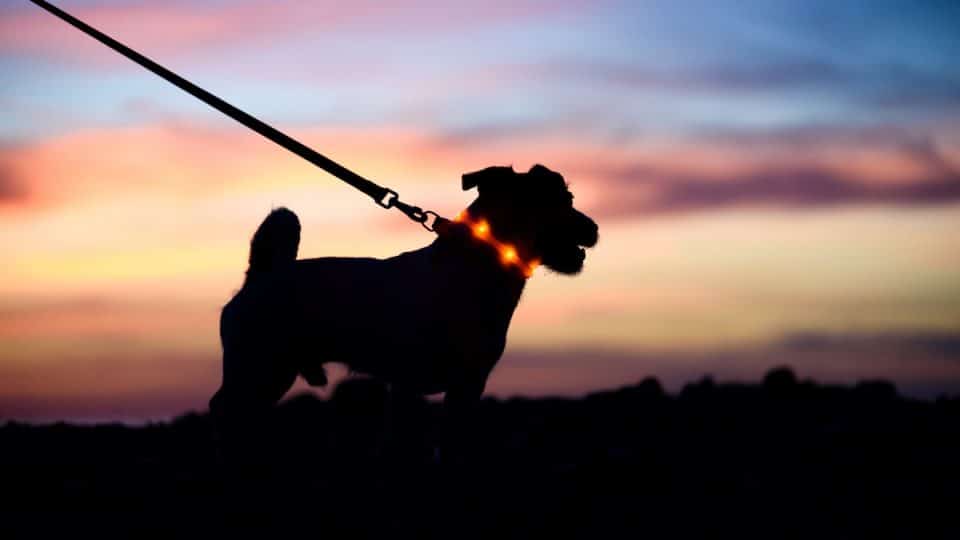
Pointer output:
x,y
426,321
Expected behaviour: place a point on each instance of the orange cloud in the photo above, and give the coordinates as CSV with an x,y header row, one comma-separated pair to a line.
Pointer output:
x,y
183,162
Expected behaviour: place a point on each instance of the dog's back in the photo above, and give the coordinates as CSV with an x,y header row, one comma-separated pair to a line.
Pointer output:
x,y
290,316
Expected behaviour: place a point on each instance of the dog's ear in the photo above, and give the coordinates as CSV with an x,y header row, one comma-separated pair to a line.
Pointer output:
x,y
483,178
540,171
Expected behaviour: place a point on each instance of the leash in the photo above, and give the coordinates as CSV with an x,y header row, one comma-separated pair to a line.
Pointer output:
x,y
384,197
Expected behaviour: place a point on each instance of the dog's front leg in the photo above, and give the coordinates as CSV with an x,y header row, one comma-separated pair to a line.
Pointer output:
x,y
460,407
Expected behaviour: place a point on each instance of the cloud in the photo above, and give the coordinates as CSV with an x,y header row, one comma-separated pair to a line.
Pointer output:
x,y
794,170
11,187
923,364
134,385
783,187
135,404
774,76
180,25
159,27
794,166
875,86
186,160
818,134
802,168
943,345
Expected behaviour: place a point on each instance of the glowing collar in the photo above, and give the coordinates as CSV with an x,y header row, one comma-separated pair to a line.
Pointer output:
x,y
508,254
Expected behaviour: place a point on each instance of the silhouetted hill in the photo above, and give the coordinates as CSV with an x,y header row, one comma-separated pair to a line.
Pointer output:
x,y
784,458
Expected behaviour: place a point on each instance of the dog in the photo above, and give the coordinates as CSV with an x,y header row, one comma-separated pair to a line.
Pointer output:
x,y
428,321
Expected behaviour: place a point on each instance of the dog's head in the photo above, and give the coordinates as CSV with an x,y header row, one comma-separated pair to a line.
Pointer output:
x,y
534,212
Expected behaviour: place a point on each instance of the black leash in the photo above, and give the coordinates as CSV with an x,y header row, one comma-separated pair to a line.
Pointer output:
x,y
385,197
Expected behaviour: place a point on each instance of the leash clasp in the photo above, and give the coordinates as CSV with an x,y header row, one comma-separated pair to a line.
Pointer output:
x,y
391,199
428,223
427,219
387,199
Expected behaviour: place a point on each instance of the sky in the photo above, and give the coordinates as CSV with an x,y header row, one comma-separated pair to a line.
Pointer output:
x,y
776,183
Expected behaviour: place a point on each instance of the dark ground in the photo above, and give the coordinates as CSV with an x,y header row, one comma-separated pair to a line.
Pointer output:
x,y
784,459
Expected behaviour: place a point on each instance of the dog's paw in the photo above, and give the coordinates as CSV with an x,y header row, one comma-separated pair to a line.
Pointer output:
x,y
315,376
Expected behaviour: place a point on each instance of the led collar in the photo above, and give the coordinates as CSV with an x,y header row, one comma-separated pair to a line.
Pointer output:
x,y
508,254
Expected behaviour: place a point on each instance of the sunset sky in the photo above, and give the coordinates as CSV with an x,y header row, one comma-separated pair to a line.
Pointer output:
x,y
776,182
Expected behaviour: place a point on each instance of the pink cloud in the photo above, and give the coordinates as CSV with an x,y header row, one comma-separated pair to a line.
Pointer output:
x,y
649,177
190,161
179,26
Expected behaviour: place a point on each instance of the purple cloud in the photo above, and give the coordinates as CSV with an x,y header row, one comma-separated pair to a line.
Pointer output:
x,y
872,85
646,189
923,364
796,187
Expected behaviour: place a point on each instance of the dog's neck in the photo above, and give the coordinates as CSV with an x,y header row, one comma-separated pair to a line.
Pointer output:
x,y
478,229
478,261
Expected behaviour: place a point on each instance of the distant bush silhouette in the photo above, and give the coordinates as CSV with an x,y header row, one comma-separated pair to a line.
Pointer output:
x,y
780,380
785,458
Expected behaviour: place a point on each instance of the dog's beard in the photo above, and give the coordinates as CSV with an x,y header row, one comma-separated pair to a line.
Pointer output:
x,y
566,259
562,248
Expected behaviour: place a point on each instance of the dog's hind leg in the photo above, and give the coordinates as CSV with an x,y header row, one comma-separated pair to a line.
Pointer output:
x,y
407,428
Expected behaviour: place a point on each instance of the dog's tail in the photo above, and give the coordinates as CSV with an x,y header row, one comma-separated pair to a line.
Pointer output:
x,y
275,243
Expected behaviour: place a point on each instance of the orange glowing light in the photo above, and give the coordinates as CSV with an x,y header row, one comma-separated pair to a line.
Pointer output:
x,y
481,229
508,253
